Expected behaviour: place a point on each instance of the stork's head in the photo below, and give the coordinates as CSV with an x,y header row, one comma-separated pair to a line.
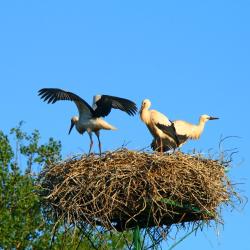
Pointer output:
x,y
74,120
145,104
205,118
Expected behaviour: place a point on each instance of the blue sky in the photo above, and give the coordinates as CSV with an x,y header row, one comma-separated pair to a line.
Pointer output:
x,y
188,57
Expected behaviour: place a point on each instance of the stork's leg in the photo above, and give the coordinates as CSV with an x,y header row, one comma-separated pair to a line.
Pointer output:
x,y
161,145
158,144
100,145
91,141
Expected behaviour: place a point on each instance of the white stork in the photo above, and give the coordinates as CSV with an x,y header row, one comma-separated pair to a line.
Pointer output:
x,y
90,117
185,130
151,118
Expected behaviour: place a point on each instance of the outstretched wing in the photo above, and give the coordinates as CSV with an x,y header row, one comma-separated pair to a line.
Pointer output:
x,y
105,103
52,95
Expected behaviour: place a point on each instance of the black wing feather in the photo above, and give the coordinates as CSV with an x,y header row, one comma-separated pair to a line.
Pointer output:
x,y
165,130
52,95
107,102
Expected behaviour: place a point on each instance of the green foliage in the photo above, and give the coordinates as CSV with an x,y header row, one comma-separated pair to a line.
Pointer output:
x,y
29,147
21,220
22,224
6,152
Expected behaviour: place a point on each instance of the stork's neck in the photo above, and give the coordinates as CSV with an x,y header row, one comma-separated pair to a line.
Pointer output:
x,y
145,115
200,126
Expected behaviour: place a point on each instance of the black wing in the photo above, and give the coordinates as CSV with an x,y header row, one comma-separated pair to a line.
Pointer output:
x,y
105,103
170,131
52,95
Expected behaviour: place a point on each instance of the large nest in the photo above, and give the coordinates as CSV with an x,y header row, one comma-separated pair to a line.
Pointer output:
x,y
125,189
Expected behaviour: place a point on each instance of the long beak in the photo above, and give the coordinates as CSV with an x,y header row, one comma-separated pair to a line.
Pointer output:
x,y
213,118
71,126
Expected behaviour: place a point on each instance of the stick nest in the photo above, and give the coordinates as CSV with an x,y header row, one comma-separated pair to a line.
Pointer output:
x,y
125,189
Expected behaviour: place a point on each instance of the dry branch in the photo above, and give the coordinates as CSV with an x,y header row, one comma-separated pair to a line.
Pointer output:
x,y
125,189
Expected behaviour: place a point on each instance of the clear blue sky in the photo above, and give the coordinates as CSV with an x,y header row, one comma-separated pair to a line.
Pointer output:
x,y
188,57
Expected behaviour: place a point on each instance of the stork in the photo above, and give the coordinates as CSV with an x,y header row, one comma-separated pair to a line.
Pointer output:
x,y
185,130
89,118
153,117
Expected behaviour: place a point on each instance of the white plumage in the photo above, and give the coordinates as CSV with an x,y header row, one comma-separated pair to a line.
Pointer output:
x,y
153,117
89,118
185,130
